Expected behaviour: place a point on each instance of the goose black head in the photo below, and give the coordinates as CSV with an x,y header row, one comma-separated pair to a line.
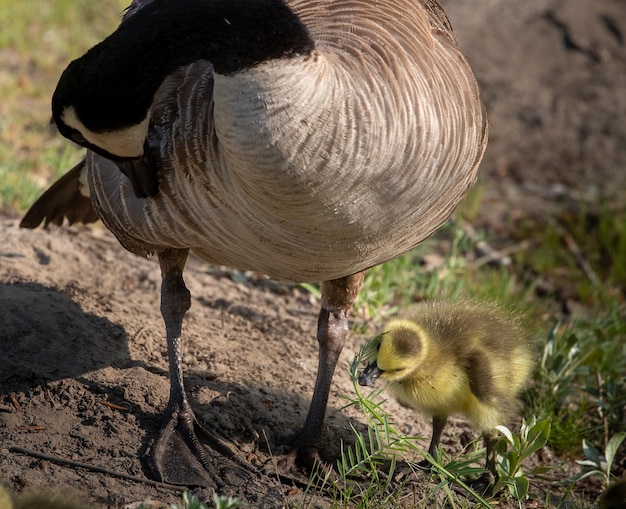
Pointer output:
x,y
89,109
112,127
103,99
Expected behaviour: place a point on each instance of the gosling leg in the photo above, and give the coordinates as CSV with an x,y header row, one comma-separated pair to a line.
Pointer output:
x,y
490,438
338,296
439,423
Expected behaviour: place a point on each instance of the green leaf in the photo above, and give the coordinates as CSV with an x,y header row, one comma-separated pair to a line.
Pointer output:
x,y
591,453
504,465
612,447
588,474
514,459
520,487
501,446
541,469
588,463
538,436
507,434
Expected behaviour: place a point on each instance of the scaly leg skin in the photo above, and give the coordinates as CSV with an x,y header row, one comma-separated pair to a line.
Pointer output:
x,y
177,456
338,296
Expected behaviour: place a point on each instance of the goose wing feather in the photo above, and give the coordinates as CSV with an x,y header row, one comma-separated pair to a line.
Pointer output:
x,y
68,198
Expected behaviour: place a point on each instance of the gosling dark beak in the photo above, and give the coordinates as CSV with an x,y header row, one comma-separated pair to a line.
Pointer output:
x,y
370,374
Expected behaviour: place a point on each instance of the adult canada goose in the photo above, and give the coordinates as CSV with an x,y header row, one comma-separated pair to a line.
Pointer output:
x,y
305,139
444,358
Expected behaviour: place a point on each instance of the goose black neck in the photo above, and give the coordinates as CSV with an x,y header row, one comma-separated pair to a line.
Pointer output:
x,y
114,83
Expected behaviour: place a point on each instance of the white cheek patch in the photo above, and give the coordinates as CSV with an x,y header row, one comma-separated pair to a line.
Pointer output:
x,y
126,142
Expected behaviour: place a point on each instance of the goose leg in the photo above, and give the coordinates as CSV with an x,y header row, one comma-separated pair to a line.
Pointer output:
x,y
338,295
177,456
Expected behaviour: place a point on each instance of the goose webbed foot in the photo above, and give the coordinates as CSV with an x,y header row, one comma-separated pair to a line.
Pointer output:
x,y
184,453
301,458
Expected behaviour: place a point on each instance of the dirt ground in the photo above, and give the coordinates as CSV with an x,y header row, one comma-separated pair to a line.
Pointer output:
x,y
79,316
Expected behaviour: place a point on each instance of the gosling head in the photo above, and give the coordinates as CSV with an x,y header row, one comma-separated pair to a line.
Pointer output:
x,y
400,352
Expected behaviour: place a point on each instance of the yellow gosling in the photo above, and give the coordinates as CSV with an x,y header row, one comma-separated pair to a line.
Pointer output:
x,y
468,358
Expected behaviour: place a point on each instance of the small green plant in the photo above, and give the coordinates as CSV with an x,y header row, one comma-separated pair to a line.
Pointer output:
x,y
366,468
513,449
189,500
598,465
225,502
456,470
561,364
580,382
